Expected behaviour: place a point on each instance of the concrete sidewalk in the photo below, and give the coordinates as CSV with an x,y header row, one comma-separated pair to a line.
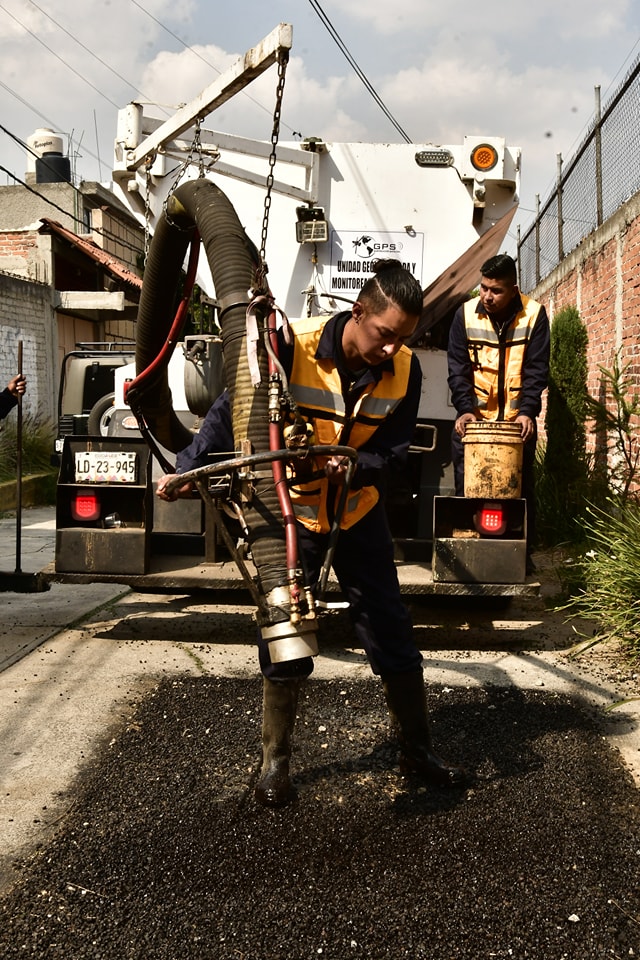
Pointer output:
x,y
28,619
38,539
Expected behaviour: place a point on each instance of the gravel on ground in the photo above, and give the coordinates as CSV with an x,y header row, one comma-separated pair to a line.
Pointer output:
x,y
163,853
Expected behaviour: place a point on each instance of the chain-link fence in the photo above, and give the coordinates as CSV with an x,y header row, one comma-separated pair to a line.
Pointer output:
x,y
603,174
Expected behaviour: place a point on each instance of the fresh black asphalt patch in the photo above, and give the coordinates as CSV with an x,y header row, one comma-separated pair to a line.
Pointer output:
x,y
164,854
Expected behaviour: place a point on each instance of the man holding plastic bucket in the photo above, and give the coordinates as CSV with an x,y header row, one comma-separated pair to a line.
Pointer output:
x,y
498,357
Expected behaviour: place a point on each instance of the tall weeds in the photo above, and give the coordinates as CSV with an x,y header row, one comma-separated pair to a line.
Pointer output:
x,y
37,446
609,569
609,575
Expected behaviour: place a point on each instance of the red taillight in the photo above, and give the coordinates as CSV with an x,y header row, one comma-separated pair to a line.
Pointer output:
x,y
85,506
491,519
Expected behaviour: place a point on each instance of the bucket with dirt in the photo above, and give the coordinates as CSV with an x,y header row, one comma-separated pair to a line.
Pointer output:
x,y
492,459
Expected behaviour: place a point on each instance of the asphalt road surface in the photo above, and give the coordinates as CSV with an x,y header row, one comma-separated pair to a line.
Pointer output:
x,y
129,731
163,852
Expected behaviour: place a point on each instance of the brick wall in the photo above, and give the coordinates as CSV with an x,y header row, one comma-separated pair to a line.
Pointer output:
x,y
27,315
21,255
601,277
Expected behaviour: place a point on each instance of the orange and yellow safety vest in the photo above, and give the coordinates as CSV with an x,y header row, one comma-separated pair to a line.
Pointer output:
x,y
316,387
497,359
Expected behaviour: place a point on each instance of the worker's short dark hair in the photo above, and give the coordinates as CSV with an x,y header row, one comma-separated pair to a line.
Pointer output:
x,y
500,267
392,283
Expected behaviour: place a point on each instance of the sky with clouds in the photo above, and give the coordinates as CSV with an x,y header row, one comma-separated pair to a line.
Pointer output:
x,y
522,70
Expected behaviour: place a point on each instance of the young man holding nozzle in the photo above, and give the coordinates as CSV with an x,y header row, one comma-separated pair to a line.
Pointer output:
x,y
356,384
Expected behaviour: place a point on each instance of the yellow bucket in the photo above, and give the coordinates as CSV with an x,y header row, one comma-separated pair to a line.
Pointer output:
x,y
492,459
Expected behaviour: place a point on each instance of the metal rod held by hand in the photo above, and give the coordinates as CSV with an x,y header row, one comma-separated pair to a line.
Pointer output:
x,y
19,471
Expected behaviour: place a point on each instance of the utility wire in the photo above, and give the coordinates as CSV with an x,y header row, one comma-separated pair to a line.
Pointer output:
x,y
61,59
52,123
101,61
88,50
26,103
621,68
334,33
40,195
204,60
105,233
583,133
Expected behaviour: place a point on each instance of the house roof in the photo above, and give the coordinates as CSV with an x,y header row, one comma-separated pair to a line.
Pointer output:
x,y
115,267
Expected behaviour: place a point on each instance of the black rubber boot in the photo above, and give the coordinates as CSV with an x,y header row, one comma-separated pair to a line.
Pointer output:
x,y
406,699
280,701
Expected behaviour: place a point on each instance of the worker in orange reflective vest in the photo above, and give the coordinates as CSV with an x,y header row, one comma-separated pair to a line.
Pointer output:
x,y
498,356
356,383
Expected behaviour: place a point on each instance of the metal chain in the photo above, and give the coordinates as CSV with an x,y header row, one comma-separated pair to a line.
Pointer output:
x,y
195,148
147,210
261,281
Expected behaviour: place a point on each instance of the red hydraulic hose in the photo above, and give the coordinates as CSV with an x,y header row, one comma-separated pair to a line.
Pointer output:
x,y
163,357
278,467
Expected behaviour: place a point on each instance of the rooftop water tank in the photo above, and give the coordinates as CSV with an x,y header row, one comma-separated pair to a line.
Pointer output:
x,y
49,164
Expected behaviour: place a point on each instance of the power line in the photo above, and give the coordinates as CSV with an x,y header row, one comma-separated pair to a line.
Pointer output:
x,y
26,103
581,137
334,33
622,66
143,95
52,123
204,59
40,195
17,140
99,230
58,57
60,26
88,49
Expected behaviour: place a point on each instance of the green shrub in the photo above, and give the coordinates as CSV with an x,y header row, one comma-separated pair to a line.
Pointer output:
x,y
607,576
37,444
562,504
565,454
563,476
610,575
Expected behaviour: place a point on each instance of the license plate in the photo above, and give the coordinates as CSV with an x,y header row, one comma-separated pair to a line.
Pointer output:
x,y
106,467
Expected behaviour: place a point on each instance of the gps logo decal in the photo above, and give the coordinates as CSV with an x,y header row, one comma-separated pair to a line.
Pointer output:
x,y
366,246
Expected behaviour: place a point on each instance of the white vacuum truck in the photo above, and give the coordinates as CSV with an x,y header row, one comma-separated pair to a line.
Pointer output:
x,y
321,213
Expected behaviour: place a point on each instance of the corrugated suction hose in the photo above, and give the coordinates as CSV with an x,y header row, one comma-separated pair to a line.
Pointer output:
x,y
233,260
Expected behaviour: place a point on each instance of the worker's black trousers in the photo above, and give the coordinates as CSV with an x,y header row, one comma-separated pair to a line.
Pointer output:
x,y
364,565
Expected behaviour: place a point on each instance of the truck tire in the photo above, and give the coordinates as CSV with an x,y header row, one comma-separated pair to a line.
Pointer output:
x,y
100,416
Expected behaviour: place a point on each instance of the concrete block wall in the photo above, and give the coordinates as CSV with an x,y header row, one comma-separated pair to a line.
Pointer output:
x,y
22,209
117,237
27,315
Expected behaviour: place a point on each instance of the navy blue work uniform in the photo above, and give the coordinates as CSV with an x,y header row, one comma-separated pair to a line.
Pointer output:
x,y
7,402
363,560
535,376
